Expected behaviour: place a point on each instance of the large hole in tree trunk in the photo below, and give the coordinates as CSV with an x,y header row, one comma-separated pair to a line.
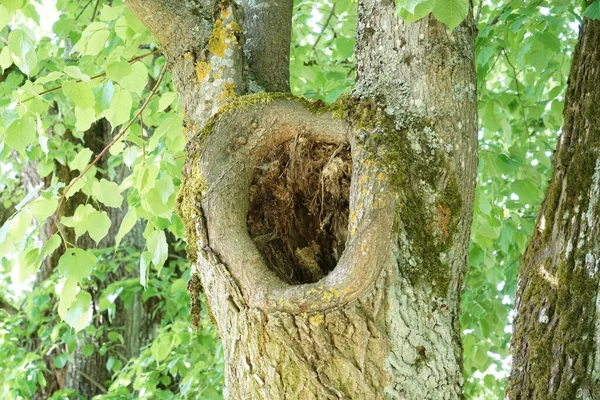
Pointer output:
x,y
298,215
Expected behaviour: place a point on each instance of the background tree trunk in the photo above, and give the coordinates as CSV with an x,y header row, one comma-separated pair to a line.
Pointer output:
x,y
385,321
556,329
136,323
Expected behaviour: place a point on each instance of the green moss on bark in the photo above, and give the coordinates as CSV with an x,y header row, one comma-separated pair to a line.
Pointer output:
x,y
412,162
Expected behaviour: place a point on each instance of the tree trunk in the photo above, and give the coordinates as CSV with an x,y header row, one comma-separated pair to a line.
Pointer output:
x,y
330,241
556,329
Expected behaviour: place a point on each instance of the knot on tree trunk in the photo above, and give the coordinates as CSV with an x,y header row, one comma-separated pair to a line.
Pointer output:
x,y
293,206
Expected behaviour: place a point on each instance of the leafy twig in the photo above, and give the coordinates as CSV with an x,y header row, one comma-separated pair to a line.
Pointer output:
x,y
83,9
518,90
95,10
108,146
478,13
331,14
131,61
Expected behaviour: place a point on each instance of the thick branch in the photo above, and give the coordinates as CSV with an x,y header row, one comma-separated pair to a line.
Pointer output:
x,y
268,31
179,26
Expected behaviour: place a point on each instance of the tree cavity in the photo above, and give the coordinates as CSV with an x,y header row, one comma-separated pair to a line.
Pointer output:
x,y
299,201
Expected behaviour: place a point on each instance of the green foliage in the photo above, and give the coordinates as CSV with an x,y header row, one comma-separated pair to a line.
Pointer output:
x,y
322,51
522,57
450,12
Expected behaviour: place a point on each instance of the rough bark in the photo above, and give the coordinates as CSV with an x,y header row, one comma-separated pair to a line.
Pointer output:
x,y
268,32
384,322
556,329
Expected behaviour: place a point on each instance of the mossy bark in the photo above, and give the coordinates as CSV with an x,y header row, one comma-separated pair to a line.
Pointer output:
x,y
557,328
384,323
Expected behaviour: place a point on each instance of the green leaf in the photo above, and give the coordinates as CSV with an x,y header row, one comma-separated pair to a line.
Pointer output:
x,y
126,225
74,72
120,107
68,292
166,100
145,259
81,160
20,134
107,193
51,245
87,350
157,245
76,264
161,348
85,118
42,208
593,10
118,70
5,58
79,93
27,265
451,12
79,314
21,43
98,225
60,360
5,16
420,8
19,225
93,39
137,80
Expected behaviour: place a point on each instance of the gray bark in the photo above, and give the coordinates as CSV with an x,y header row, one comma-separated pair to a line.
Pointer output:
x,y
384,323
268,32
557,329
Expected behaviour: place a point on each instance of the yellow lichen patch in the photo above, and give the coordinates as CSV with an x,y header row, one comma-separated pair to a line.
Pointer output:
x,y
228,91
202,70
188,56
221,36
330,294
381,176
317,319
225,12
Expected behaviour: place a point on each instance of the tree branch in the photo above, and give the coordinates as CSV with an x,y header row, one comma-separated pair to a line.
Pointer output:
x,y
131,61
331,14
108,146
6,306
268,32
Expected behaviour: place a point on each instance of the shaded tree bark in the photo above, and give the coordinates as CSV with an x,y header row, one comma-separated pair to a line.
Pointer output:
x,y
384,322
556,328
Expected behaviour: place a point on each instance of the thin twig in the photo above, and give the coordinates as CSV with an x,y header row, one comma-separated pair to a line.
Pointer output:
x,y
143,140
491,68
95,10
89,378
82,10
518,90
108,146
324,26
478,13
131,61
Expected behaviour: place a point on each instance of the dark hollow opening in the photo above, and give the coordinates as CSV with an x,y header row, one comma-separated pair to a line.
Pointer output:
x,y
298,215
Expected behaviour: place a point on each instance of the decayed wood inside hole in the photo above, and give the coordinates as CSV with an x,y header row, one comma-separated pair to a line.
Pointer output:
x,y
298,215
